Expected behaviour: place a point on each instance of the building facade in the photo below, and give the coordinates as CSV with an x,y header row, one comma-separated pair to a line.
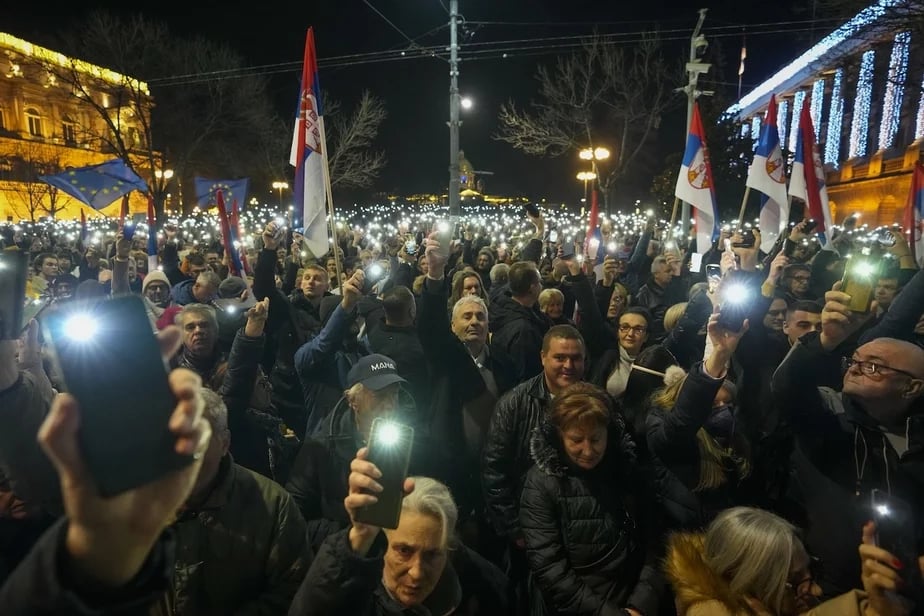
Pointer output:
x,y
863,86
50,119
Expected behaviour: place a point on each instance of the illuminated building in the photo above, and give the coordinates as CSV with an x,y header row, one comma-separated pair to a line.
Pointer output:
x,y
867,110
45,127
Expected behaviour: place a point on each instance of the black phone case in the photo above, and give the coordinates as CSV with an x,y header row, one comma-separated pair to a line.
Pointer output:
x,y
14,269
120,382
393,462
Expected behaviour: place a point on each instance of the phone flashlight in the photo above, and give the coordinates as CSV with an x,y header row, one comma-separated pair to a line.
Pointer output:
x,y
375,270
280,221
80,327
882,510
611,248
388,434
736,294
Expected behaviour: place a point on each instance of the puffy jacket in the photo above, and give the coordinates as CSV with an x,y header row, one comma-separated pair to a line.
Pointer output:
x,y
587,532
517,334
43,585
243,551
341,582
506,456
840,456
673,443
700,591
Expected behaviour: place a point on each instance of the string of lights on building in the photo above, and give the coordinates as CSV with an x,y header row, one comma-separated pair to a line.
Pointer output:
x,y
895,86
797,101
835,118
859,130
782,112
818,99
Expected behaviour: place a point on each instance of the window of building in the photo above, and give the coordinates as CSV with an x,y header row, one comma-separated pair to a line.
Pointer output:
x,y
2,120
35,122
69,130
6,169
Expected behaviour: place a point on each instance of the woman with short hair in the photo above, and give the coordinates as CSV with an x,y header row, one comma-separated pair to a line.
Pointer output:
x,y
587,514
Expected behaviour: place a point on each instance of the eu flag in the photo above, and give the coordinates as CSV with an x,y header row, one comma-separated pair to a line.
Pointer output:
x,y
98,185
232,190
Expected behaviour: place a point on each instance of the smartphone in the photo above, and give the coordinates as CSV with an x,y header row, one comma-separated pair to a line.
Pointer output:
x,y
747,239
859,282
810,226
390,445
124,408
713,271
696,262
14,270
410,247
531,209
895,533
567,250
445,237
737,300
553,236
128,232
789,248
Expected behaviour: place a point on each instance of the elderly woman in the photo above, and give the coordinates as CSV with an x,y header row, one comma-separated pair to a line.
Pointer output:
x,y
750,561
552,304
417,568
586,513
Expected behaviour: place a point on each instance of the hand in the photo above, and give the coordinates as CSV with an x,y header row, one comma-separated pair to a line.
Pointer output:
x,y
538,223
109,539
747,255
879,575
362,481
728,262
256,317
724,343
838,322
798,232
123,246
352,290
436,260
170,232
609,271
270,236
775,270
674,261
900,247
358,235
633,612
574,264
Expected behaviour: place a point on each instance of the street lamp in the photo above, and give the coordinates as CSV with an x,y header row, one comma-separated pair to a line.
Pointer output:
x,y
467,103
593,155
586,176
163,177
280,186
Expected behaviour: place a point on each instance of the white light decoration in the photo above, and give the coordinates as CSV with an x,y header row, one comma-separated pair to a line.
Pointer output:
x,y
755,130
839,44
818,100
895,87
797,102
835,119
859,130
745,130
919,125
782,112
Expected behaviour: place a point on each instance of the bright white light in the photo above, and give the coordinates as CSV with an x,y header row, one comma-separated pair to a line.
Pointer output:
x,y
443,227
81,327
611,247
736,294
818,98
835,119
861,106
388,434
782,113
895,86
883,510
797,102
467,103
864,269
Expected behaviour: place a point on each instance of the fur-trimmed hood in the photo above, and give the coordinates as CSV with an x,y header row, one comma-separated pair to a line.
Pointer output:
x,y
546,451
698,590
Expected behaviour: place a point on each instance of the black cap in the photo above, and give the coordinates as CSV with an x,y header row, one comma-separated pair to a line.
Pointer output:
x,y
375,372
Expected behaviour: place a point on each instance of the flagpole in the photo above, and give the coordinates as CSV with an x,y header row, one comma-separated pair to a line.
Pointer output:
x,y
325,170
744,204
670,228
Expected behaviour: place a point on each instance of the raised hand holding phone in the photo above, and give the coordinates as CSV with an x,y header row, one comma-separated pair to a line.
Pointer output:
x,y
362,490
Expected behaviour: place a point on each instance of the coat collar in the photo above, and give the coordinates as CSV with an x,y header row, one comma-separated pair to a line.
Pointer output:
x,y
546,451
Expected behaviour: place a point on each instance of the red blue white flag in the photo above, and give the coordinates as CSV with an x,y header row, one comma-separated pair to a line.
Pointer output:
x,y
914,213
808,177
767,174
695,185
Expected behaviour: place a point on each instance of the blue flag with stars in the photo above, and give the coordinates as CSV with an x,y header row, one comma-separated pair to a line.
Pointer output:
x,y
97,185
232,190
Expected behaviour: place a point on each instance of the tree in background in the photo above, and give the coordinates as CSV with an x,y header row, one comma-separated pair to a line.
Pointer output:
x,y
30,160
352,162
609,94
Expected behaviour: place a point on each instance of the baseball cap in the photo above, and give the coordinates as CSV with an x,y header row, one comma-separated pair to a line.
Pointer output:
x,y
375,372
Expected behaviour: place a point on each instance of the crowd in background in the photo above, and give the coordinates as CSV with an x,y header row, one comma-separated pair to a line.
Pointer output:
x,y
594,431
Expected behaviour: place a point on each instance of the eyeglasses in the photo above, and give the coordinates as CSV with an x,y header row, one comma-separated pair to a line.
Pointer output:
x,y
637,330
801,278
870,368
803,587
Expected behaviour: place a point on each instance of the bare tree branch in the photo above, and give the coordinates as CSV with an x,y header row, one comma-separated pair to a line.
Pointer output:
x,y
352,163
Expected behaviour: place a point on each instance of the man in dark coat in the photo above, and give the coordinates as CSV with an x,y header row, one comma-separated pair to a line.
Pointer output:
x,y
868,436
665,287
516,322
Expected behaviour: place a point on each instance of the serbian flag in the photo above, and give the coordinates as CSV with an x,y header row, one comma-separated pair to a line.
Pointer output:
x,y
235,223
123,212
695,185
808,176
307,150
227,237
152,236
914,213
83,227
767,174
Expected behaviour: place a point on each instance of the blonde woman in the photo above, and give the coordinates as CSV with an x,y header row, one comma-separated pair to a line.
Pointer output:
x,y
691,432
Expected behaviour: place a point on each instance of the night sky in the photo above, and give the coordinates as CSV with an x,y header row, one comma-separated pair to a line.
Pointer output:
x,y
415,136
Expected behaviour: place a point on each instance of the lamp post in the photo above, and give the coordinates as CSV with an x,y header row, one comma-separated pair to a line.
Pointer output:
x,y
163,177
280,186
586,176
593,155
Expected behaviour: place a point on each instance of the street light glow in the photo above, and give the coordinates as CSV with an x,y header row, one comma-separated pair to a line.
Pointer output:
x,y
601,153
587,154
467,103
280,185
586,176
166,174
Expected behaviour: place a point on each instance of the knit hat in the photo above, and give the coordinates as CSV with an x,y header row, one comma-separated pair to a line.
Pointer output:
x,y
375,372
155,276
229,295
231,287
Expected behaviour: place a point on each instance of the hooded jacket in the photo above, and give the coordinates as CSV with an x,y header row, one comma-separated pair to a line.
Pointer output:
x,y
841,455
590,535
517,334
699,591
341,582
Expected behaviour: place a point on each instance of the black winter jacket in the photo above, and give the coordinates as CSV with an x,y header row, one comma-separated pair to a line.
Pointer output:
x,y
342,582
517,334
841,455
402,344
673,444
589,533
506,457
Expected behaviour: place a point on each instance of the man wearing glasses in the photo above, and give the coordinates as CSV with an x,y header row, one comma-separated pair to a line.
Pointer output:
x,y
870,435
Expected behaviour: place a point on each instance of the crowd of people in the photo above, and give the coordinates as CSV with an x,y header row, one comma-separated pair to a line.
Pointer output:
x,y
609,424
